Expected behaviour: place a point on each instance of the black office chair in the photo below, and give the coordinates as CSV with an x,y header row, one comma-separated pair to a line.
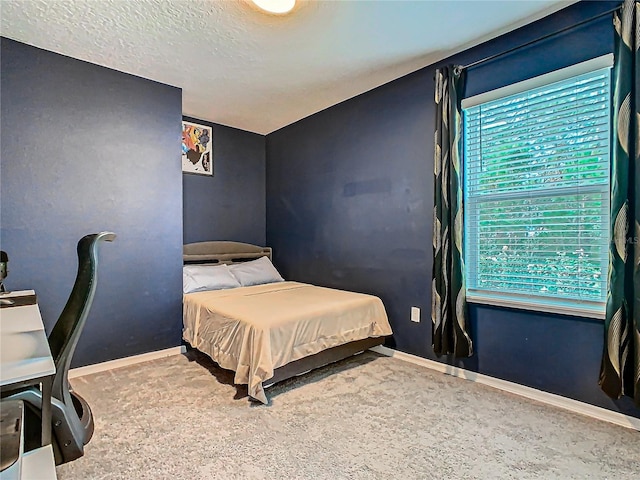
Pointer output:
x,y
72,421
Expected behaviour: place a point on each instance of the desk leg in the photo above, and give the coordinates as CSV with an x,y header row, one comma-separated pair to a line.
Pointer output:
x,y
47,385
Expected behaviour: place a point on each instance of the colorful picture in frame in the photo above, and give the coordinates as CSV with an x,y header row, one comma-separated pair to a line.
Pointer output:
x,y
197,149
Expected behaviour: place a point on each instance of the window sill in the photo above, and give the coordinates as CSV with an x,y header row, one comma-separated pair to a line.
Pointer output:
x,y
543,305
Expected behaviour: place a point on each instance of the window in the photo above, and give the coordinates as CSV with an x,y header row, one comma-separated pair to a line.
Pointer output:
x,y
536,167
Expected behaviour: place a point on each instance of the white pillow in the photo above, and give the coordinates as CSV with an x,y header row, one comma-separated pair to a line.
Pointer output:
x,y
256,272
198,278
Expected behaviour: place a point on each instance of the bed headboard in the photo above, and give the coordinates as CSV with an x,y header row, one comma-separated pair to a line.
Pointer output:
x,y
222,252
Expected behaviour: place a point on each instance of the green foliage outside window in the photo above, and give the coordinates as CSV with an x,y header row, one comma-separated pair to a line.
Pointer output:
x,y
537,182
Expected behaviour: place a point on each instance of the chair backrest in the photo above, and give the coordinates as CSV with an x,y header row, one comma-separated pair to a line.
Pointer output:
x,y
66,332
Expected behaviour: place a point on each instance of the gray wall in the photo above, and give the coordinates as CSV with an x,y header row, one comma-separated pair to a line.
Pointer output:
x,y
85,149
230,205
350,200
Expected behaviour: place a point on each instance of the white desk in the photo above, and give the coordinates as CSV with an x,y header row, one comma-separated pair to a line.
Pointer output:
x,y
25,358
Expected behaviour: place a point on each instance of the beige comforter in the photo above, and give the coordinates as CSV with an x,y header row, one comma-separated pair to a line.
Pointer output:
x,y
254,330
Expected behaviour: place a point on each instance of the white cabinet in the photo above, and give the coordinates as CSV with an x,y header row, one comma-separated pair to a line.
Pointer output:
x,y
38,464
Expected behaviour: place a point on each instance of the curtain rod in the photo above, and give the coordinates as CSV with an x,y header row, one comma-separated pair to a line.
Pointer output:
x,y
544,37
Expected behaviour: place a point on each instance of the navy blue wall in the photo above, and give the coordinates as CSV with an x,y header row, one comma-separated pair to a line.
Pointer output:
x,y
85,149
231,205
350,199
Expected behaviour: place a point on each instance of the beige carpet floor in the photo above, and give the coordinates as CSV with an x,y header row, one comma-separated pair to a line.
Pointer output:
x,y
369,417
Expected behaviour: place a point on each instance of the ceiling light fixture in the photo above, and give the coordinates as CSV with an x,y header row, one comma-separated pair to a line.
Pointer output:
x,y
275,6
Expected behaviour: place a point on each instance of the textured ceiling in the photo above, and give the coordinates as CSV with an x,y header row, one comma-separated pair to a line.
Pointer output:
x,y
242,68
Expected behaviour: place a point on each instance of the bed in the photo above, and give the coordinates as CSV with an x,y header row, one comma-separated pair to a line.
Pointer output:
x,y
268,331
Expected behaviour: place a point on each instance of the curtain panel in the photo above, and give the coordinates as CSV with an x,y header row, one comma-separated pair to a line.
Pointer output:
x,y
620,369
450,331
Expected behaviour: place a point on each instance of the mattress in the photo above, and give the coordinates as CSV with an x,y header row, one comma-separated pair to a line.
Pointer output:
x,y
254,330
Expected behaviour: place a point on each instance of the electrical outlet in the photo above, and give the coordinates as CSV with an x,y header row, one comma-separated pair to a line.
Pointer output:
x,y
415,314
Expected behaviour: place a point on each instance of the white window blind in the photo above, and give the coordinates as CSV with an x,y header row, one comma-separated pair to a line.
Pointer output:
x,y
537,193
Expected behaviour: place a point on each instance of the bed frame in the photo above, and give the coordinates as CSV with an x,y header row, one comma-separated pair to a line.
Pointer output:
x,y
235,252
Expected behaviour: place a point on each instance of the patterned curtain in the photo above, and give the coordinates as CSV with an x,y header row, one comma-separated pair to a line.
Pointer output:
x,y
449,306
620,371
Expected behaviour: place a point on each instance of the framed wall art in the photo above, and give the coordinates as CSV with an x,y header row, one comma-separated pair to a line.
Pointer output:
x,y
197,149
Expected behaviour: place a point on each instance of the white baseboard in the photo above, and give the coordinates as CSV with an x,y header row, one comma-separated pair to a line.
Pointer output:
x,y
528,392
123,362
